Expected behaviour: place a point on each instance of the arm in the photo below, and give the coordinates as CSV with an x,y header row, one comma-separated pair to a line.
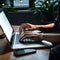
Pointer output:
x,y
28,26
52,37
51,25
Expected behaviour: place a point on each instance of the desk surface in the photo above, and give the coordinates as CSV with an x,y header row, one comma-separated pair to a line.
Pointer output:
x,y
42,54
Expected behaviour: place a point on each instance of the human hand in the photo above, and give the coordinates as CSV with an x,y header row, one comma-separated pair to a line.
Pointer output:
x,y
26,27
32,35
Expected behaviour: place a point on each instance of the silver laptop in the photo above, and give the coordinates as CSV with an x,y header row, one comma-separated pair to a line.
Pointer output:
x,y
13,37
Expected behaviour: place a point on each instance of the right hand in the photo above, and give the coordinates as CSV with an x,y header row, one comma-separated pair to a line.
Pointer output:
x,y
30,34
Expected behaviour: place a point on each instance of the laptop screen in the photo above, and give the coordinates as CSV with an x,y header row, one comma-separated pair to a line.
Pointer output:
x,y
4,23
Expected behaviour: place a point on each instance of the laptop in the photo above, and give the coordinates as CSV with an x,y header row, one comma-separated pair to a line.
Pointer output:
x,y
13,37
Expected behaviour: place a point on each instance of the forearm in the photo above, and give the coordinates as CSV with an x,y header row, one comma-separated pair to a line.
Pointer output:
x,y
52,37
51,25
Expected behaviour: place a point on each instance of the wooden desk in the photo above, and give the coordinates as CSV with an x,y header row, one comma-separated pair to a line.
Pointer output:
x,y
41,54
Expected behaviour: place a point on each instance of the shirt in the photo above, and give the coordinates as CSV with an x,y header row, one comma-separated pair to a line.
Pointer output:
x,y
55,29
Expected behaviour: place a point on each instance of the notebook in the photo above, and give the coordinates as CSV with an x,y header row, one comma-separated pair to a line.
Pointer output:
x,y
13,37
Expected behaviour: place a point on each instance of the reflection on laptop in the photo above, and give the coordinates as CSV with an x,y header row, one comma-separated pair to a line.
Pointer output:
x,y
13,36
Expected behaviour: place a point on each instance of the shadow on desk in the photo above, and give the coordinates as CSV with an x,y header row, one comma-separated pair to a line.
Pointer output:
x,y
5,49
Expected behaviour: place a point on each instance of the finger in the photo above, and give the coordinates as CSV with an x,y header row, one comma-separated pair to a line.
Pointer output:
x,y
23,38
27,36
28,29
22,26
21,29
26,26
31,33
22,34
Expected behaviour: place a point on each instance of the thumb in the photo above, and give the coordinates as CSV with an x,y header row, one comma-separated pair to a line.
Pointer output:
x,y
29,29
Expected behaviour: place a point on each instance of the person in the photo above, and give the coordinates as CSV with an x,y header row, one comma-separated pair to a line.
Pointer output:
x,y
55,51
51,27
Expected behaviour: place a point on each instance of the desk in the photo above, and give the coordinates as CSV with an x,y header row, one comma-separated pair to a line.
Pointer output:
x,y
42,54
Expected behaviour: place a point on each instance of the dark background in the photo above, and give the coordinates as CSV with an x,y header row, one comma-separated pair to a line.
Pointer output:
x,y
18,18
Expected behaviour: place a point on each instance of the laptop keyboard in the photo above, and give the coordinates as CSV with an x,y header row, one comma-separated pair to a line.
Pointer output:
x,y
17,38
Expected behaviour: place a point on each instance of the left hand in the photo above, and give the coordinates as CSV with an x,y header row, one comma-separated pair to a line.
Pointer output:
x,y
27,27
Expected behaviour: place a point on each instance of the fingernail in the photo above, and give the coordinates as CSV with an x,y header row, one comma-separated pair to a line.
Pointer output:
x,y
26,29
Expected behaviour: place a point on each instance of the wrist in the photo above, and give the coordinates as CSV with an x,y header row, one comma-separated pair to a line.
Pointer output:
x,y
38,26
41,36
